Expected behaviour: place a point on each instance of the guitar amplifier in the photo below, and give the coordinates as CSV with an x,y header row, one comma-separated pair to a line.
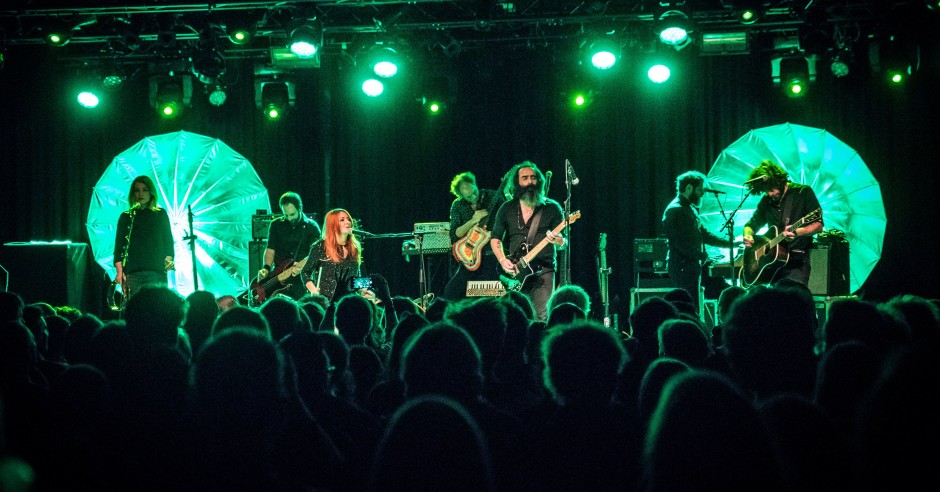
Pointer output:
x,y
435,237
261,222
649,255
829,268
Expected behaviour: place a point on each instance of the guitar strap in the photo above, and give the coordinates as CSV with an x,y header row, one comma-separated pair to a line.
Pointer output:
x,y
533,227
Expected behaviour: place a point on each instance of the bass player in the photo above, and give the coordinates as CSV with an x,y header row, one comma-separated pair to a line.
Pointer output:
x,y
289,240
784,204
471,215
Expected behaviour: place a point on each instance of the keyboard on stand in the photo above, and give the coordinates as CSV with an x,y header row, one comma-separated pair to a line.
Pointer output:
x,y
485,288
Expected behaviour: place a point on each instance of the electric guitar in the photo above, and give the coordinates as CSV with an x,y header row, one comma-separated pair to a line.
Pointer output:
x,y
263,289
468,250
763,259
522,265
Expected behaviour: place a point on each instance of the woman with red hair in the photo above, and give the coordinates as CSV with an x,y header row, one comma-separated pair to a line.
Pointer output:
x,y
335,258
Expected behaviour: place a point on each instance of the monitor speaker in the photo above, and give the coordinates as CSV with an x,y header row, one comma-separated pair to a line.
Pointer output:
x,y
829,269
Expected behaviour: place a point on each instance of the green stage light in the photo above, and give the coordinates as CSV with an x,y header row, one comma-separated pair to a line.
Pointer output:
x,y
305,41
659,73
385,61
373,88
674,27
275,99
88,99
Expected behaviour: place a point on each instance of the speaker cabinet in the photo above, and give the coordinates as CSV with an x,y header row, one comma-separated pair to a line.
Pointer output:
x,y
49,272
829,269
255,256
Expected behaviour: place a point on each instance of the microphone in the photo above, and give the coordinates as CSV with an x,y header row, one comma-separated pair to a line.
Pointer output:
x,y
571,174
548,180
715,192
134,208
762,177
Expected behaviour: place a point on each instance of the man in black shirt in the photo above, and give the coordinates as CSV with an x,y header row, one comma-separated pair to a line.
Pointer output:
x,y
471,220
784,204
513,223
686,234
289,240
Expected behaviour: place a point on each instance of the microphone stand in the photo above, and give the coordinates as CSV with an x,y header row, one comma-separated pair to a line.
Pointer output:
x,y
729,225
192,248
566,256
419,241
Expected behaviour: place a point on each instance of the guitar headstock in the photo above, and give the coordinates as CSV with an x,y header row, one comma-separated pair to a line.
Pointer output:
x,y
813,216
573,216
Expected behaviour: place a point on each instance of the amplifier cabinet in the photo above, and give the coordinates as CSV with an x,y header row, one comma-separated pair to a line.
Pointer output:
x,y
829,269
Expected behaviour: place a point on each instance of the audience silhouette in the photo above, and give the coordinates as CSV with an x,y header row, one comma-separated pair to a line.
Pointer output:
x,y
379,393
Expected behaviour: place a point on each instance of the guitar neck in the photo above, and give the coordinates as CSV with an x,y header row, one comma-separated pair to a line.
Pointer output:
x,y
780,237
538,247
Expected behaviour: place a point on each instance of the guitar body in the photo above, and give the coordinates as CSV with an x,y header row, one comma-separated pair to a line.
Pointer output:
x,y
522,258
261,290
762,261
468,250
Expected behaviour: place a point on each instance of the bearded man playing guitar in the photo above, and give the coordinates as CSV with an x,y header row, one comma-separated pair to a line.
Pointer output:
x,y
785,204
471,215
516,222
289,240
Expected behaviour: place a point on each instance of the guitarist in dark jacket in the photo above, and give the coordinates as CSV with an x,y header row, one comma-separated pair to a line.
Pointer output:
x,y
686,234
514,222
289,240
472,210
784,203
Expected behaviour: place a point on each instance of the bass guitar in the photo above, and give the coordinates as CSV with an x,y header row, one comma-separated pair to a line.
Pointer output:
x,y
276,281
522,258
763,259
468,250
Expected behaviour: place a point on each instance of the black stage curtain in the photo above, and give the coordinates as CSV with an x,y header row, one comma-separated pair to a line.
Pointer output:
x,y
390,164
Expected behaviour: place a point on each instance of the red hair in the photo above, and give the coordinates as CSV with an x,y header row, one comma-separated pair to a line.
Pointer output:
x,y
331,230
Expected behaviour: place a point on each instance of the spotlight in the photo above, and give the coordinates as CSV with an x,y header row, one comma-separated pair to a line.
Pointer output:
x,y
434,93
896,57
241,32
208,65
581,99
674,28
373,87
274,99
433,106
217,96
659,73
88,99
840,64
603,53
305,40
748,12
794,74
275,93
384,61
169,94
58,33
112,81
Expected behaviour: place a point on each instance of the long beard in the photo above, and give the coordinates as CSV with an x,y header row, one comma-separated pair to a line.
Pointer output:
x,y
528,194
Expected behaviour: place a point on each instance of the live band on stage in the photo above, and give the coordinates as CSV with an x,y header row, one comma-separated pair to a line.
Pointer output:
x,y
509,238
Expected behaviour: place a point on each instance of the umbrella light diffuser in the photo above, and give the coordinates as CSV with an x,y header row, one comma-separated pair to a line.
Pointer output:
x,y
191,172
848,192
